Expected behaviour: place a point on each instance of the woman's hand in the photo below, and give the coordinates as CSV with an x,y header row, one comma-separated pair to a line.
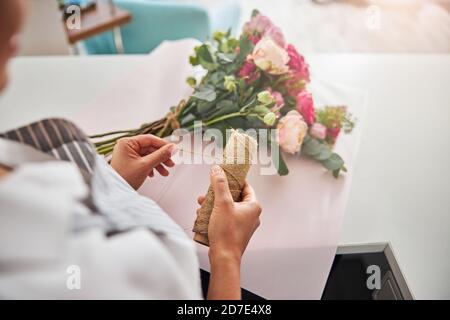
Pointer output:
x,y
136,158
231,226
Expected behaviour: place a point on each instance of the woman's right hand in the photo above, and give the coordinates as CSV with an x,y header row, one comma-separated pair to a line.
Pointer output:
x,y
231,224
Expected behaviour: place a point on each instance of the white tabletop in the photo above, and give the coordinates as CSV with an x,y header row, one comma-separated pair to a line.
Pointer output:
x,y
401,184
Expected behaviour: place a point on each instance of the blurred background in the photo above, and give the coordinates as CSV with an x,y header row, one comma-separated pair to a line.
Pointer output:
x,y
314,26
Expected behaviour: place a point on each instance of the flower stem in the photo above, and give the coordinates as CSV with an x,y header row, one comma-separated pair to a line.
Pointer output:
x,y
222,118
101,135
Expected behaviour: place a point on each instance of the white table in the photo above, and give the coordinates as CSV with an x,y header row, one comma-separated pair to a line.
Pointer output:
x,y
402,180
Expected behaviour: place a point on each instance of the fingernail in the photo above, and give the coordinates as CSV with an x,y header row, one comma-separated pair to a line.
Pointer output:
x,y
216,170
173,149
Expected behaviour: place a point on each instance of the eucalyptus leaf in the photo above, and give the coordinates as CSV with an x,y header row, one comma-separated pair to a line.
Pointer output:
x,y
279,163
216,77
225,107
206,57
187,119
204,107
334,162
226,57
325,153
236,123
311,146
206,93
336,173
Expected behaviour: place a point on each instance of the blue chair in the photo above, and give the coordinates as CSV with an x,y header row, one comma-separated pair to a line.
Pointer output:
x,y
156,21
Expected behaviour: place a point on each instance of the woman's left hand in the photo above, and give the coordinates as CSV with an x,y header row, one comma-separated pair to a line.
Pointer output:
x,y
136,158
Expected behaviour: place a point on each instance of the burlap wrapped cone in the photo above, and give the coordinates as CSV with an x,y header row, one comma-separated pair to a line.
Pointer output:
x,y
237,159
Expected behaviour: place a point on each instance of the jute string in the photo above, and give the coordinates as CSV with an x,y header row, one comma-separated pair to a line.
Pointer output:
x,y
237,159
172,118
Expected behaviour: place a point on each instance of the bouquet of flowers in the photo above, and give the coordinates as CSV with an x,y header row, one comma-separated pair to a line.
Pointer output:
x,y
255,81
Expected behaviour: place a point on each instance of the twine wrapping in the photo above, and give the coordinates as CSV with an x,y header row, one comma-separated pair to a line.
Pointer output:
x,y
171,120
237,158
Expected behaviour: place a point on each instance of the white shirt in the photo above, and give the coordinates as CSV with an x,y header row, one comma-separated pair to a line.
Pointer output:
x,y
41,256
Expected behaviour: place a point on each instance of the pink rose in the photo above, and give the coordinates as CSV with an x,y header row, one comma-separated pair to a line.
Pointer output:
x,y
248,71
258,23
318,131
261,26
305,106
270,57
297,64
276,35
292,130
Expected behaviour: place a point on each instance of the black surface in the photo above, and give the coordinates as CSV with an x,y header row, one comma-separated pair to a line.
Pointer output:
x,y
348,276
346,281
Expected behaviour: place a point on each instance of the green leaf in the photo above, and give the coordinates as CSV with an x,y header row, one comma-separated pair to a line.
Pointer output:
x,y
204,107
223,47
245,48
232,43
336,173
187,119
236,123
216,78
206,57
193,60
311,146
316,149
206,93
325,153
225,107
333,163
226,57
322,152
218,36
279,163
249,92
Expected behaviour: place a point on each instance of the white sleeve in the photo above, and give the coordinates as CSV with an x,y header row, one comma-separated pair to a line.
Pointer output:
x,y
41,259
133,265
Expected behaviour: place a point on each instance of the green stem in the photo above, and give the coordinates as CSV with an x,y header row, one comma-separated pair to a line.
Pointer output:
x,y
222,118
106,150
105,145
101,135
113,140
